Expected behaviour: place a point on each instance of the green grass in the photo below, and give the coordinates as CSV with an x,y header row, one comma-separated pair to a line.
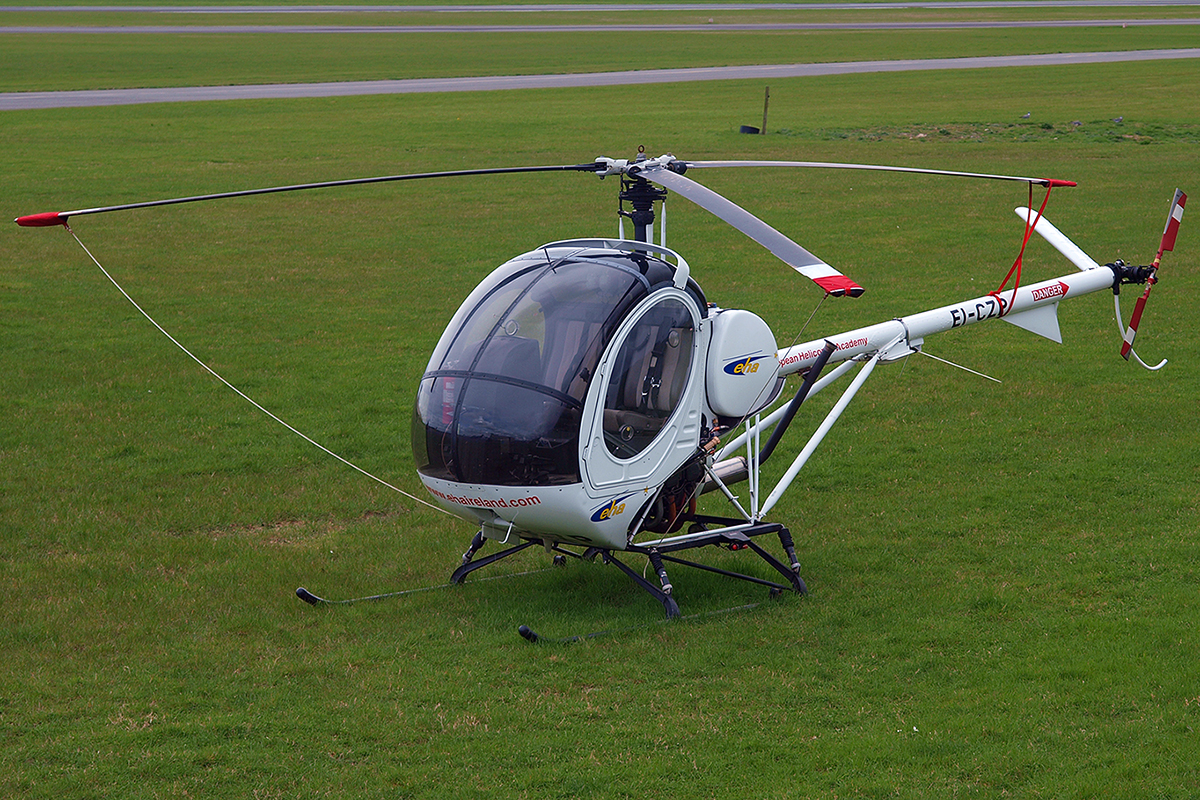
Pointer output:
x,y
646,14
1004,579
85,61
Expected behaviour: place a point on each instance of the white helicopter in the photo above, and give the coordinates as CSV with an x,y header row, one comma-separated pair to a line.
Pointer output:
x,y
586,393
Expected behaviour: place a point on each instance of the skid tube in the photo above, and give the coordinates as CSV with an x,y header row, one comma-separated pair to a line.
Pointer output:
x,y
734,535
730,534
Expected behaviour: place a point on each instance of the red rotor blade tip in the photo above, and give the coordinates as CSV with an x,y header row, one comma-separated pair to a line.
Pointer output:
x,y
43,220
839,286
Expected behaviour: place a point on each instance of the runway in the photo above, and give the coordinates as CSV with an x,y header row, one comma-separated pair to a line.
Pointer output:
x,y
24,101
682,27
604,7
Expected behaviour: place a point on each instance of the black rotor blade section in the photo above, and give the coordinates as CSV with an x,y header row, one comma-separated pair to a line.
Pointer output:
x,y
60,217
876,168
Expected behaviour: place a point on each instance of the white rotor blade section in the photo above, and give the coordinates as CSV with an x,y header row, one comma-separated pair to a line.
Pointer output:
x,y
792,254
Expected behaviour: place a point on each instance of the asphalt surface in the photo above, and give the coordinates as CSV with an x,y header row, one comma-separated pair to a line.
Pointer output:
x,y
606,7
15,101
682,27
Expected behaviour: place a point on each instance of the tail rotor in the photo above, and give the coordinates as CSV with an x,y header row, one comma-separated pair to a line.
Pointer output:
x,y
1168,243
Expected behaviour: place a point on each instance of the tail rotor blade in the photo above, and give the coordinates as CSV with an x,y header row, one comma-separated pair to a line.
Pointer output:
x,y
1174,217
1131,331
1173,220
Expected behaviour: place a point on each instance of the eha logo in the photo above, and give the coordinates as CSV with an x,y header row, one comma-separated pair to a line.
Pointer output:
x,y
743,366
609,510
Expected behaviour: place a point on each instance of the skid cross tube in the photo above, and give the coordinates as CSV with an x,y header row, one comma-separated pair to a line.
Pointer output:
x,y
468,566
736,536
797,584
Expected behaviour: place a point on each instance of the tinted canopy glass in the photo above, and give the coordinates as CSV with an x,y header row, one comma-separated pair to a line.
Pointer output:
x,y
501,400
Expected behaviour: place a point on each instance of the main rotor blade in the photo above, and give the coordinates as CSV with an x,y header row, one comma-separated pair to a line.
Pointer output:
x,y
877,168
792,254
46,219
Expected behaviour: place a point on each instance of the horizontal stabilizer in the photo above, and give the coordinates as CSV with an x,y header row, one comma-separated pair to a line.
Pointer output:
x,y
1042,320
1054,236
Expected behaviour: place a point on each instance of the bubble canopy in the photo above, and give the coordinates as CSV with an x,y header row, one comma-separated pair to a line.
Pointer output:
x,y
502,398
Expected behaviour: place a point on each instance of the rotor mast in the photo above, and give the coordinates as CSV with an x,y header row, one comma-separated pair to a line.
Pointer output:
x,y
642,195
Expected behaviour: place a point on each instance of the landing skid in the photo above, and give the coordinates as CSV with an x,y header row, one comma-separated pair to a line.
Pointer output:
x,y
730,534
469,565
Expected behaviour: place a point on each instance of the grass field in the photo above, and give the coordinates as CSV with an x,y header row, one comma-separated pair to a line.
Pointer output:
x,y
1003,578
84,61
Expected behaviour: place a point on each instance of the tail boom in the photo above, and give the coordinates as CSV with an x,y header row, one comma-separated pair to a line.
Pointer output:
x,y
909,332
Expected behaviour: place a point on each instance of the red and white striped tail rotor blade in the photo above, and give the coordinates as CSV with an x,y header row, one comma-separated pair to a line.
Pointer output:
x,y
1131,331
1168,243
1173,220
